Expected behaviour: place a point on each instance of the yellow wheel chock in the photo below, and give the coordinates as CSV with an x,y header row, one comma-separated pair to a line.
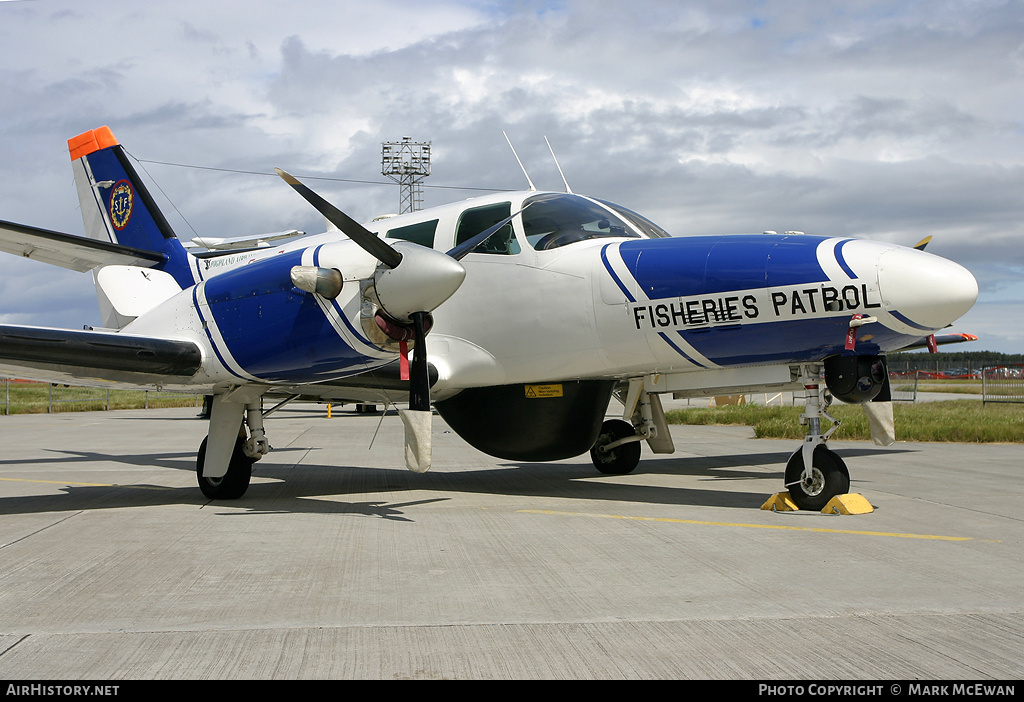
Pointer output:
x,y
850,503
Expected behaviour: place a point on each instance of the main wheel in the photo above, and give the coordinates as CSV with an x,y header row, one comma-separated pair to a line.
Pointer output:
x,y
623,458
829,477
232,484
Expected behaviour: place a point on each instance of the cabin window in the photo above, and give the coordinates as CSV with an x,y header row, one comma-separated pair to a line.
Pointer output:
x,y
554,220
479,220
422,233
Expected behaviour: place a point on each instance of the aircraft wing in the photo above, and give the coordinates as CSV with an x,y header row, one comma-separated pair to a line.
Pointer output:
x,y
941,340
77,253
105,358
49,354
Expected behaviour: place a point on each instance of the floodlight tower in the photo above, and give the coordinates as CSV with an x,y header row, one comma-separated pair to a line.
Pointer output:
x,y
407,163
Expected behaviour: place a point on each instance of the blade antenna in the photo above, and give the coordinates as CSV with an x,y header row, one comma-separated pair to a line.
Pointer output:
x,y
533,188
567,188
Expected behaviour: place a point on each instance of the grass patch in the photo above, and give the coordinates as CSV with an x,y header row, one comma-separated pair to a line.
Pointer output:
x,y
38,398
960,421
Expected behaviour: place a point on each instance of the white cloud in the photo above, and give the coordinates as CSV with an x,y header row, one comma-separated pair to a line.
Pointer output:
x,y
881,119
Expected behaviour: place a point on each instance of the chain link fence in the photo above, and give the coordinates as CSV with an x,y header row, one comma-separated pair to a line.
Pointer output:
x,y
1003,383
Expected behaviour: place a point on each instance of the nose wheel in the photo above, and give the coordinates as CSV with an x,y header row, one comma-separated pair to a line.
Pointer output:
x,y
811,487
828,477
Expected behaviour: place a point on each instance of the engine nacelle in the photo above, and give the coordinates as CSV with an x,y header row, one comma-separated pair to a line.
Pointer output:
x,y
530,422
856,379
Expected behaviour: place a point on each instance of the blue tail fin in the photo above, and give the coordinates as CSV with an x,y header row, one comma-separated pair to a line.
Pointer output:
x,y
117,207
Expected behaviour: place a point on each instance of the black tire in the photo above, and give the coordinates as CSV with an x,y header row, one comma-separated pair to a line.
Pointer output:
x,y
830,478
621,459
234,483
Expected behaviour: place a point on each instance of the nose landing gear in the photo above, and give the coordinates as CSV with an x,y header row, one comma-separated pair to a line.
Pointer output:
x,y
815,474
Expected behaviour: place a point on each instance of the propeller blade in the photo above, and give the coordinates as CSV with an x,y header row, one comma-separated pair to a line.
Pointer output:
x,y
879,413
417,439
418,418
366,239
419,382
881,422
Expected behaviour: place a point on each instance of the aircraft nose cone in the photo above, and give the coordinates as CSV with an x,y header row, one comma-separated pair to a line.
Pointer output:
x,y
923,289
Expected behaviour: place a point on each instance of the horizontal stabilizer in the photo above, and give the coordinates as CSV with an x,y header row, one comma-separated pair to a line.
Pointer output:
x,y
94,354
230,243
77,253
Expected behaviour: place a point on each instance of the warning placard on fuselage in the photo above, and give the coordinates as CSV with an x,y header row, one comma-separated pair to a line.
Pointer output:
x,y
542,391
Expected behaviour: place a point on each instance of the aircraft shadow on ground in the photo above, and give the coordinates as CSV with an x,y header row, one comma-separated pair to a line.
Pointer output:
x,y
311,488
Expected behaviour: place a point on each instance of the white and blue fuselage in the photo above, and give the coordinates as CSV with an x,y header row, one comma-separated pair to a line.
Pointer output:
x,y
610,302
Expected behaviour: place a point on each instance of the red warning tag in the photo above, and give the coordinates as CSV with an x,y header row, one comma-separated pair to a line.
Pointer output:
x,y
851,335
403,363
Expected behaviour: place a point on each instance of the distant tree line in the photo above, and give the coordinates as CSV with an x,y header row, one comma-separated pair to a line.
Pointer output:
x,y
975,360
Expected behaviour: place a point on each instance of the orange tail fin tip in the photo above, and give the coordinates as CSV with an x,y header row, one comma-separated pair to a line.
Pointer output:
x,y
91,141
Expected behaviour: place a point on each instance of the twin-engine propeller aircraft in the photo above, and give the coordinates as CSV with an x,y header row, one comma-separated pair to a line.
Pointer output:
x,y
540,306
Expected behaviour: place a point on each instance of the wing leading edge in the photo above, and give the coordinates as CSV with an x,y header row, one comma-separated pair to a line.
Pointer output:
x,y
95,355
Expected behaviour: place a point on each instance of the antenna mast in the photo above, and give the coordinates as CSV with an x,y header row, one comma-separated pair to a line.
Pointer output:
x,y
567,188
407,163
532,186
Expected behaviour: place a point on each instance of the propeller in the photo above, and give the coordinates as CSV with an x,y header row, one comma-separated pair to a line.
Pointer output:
x,y
410,281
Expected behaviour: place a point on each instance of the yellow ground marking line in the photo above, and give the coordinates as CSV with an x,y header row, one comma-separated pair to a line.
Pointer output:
x,y
72,484
751,526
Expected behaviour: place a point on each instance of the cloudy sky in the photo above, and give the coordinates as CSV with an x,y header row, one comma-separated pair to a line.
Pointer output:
x,y
885,120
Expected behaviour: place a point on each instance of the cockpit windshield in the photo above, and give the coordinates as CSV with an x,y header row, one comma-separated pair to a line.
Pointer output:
x,y
652,230
553,220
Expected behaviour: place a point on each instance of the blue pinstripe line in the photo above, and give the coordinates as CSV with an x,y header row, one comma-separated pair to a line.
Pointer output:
x,y
903,318
206,328
838,251
679,350
338,309
608,267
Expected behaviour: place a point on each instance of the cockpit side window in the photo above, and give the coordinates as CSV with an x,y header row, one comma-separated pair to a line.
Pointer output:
x,y
422,233
480,219
554,220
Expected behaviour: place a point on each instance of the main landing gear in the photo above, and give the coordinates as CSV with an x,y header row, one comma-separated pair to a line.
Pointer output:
x,y
235,442
617,449
815,474
234,482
